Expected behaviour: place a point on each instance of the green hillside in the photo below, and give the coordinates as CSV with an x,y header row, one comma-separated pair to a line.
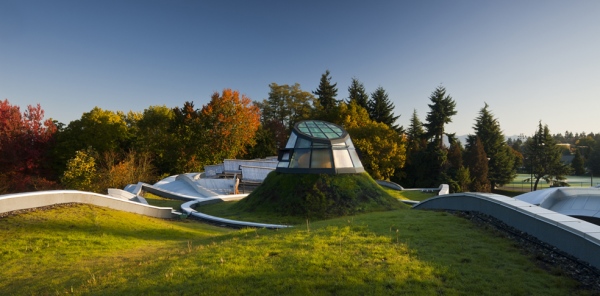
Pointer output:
x,y
318,196
87,250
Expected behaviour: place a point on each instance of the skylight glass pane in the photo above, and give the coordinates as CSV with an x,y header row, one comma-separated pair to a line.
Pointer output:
x,y
292,141
300,159
342,159
355,159
302,143
321,158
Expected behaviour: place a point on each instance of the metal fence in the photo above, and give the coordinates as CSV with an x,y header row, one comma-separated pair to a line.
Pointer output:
x,y
526,187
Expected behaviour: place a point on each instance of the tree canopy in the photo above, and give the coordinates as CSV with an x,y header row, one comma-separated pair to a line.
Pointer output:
x,y
358,94
501,168
442,108
112,148
230,121
286,105
382,110
543,158
476,161
326,92
25,139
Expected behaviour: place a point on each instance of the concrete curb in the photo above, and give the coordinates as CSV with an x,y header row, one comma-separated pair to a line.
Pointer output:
x,y
187,208
21,201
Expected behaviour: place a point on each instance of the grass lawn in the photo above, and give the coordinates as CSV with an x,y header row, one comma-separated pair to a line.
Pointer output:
x,y
519,184
155,200
416,195
97,251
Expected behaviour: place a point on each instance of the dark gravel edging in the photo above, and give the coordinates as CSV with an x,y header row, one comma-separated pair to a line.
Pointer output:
x,y
545,255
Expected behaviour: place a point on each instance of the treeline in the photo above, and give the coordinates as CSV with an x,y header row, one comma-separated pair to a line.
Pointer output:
x,y
106,149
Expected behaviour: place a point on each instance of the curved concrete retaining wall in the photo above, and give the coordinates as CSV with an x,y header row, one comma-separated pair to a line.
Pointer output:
x,y
21,201
576,237
187,208
389,184
161,192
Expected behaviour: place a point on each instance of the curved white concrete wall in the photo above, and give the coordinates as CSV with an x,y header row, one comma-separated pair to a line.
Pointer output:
x,y
21,201
576,237
187,208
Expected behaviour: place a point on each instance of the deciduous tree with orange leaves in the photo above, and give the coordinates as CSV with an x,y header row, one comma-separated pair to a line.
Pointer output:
x,y
229,123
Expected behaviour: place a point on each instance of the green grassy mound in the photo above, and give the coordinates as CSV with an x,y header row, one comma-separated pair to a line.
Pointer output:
x,y
88,250
318,196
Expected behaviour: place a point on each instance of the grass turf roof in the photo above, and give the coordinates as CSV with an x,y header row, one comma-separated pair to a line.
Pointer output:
x,y
96,251
318,196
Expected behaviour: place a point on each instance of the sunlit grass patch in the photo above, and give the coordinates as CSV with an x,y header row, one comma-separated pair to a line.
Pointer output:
x,y
158,201
91,250
227,210
416,195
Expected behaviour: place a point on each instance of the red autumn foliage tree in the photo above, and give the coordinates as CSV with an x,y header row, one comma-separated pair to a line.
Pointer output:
x,y
25,139
229,122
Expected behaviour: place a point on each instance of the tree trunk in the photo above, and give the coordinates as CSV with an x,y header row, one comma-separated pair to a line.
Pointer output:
x,y
537,180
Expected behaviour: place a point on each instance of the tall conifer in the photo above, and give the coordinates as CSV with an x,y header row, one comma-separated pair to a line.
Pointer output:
x,y
358,94
326,92
477,162
442,108
501,158
382,110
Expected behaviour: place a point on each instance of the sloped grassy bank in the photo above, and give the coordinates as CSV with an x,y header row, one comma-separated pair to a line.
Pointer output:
x,y
318,196
87,250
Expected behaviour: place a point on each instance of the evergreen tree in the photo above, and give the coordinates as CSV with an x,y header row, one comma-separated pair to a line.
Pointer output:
x,y
358,94
594,160
442,110
454,164
544,158
455,152
501,168
434,163
477,162
326,92
577,164
415,133
463,179
414,171
381,109
436,155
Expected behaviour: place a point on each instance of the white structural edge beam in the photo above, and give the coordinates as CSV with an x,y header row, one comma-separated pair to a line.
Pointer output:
x,y
573,236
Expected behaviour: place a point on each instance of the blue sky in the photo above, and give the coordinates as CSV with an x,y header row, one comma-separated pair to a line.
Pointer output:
x,y
529,60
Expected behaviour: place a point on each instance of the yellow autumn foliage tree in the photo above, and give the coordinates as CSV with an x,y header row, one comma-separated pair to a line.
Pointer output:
x,y
382,150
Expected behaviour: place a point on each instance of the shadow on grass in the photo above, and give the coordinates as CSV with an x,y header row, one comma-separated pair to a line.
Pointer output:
x,y
394,252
